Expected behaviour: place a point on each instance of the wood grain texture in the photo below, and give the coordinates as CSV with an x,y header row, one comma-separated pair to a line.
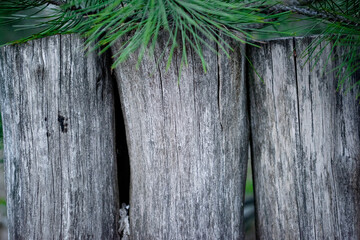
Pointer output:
x,y
188,145
305,146
58,116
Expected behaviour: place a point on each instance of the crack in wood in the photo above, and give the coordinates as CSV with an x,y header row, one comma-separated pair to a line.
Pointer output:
x,y
219,86
63,123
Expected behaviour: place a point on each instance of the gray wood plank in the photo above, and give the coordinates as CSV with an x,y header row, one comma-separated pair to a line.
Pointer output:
x,y
58,116
188,145
305,146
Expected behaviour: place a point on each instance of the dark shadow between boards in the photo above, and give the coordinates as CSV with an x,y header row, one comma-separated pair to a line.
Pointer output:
x,y
249,204
122,153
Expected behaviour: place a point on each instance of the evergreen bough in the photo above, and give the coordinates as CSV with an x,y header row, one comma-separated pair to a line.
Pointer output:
x,y
193,23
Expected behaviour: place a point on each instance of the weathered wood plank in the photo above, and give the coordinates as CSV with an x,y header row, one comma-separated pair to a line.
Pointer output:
x,y
305,147
58,116
188,144
330,135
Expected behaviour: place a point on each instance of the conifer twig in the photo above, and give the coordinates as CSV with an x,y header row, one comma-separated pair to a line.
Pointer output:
x,y
306,11
56,2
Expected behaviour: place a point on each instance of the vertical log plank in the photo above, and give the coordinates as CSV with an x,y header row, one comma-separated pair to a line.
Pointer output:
x,y
188,145
58,116
305,146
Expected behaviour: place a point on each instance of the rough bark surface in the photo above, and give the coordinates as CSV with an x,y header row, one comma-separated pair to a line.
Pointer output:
x,y
58,116
305,146
188,145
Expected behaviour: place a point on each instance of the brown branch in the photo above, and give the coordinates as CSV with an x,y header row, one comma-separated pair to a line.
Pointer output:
x,y
56,2
60,3
306,11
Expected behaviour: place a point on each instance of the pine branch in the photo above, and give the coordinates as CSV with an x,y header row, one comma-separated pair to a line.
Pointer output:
x,y
56,2
306,11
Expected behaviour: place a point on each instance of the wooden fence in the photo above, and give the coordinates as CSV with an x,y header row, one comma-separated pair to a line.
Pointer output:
x,y
187,143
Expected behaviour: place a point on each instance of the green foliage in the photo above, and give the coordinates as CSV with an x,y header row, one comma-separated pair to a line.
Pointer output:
x,y
193,24
190,23
249,188
342,29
